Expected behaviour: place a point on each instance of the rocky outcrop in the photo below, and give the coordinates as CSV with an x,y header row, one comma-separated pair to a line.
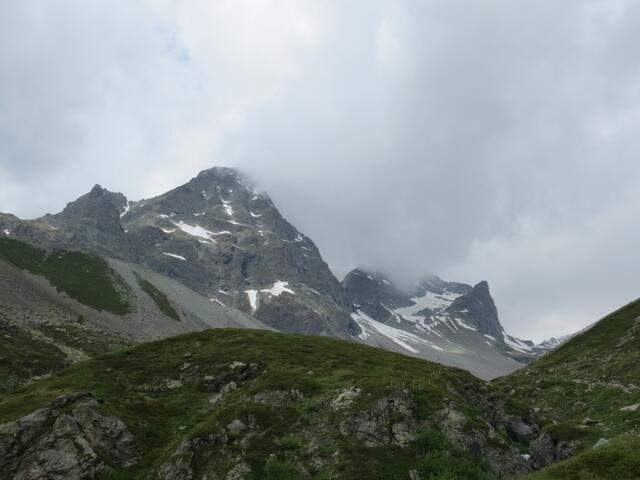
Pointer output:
x,y
391,420
217,235
478,309
67,440
234,374
483,442
546,451
179,466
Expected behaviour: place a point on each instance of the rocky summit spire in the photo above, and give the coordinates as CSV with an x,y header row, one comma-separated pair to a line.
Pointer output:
x,y
478,308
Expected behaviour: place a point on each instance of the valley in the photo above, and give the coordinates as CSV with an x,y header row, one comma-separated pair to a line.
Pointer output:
x,y
199,335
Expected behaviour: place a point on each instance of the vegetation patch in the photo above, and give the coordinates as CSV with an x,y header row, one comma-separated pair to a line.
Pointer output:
x,y
583,386
158,390
159,298
617,460
443,460
84,277
22,357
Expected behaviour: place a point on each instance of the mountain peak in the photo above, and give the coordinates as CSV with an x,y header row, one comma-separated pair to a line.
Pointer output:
x,y
478,308
220,171
226,175
97,188
98,198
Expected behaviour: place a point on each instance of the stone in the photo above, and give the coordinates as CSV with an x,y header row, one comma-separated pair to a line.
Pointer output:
x,y
236,428
345,398
173,384
601,442
630,408
239,472
229,387
390,420
69,439
278,398
237,365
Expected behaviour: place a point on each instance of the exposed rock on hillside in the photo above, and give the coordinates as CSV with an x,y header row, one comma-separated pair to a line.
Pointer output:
x,y
67,440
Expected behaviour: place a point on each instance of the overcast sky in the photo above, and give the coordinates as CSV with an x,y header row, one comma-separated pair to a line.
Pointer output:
x,y
495,140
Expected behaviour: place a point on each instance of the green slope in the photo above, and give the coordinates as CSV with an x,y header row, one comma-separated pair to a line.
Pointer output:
x,y
588,390
168,392
618,460
589,385
84,277
30,352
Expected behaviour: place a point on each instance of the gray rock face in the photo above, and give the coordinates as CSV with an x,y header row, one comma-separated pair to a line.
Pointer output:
x,y
70,439
390,421
179,466
216,235
546,451
447,322
503,459
478,309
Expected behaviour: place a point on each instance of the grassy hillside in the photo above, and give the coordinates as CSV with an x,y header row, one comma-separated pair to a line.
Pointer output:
x,y
85,278
618,460
285,407
40,350
159,298
589,388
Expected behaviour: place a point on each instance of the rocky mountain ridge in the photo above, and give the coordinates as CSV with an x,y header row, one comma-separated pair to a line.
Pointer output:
x,y
216,235
449,322
224,240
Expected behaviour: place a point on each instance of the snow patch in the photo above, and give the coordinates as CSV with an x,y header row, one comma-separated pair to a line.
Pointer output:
x,y
232,222
312,290
433,301
179,257
217,301
400,337
198,231
515,343
278,288
126,209
228,209
465,325
253,298
255,215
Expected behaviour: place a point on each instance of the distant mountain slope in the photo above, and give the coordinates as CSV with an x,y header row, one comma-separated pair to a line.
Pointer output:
x,y
589,387
225,242
216,235
448,322
59,306
261,405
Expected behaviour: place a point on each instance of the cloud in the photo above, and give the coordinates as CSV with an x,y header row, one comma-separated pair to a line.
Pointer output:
x,y
478,140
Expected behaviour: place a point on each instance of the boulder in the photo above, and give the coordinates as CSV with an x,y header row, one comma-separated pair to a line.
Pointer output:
x,y
391,420
69,439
